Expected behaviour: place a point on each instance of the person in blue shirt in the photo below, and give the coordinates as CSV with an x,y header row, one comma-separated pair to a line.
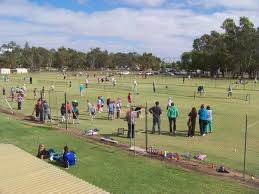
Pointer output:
x,y
81,89
203,117
111,107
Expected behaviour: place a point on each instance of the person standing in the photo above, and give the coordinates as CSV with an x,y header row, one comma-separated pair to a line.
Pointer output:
x,y
46,111
203,116
156,111
169,102
86,83
19,101
192,122
4,93
81,88
129,98
35,93
154,87
131,118
111,110
12,93
135,84
209,120
30,80
172,114
70,84
183,80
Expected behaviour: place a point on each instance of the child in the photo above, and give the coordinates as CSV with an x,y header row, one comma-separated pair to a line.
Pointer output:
x,y
93,112
68,106
89,107
169,102
3,91
19,101
129,98
75,111
209,120
99,104
63,112
35,93
12,94
86,83
118,110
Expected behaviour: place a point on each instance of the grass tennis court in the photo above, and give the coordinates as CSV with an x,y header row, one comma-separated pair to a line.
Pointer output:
x,y
113,170
224,146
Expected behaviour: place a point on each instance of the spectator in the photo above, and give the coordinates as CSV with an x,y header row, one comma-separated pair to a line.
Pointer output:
x,y
42,152
4,93
203,116
131,119
111,110
12,93
172,114
19,101
209,124
69,109
46,111
81,88
129,98
63,112
89,106
156,111
154,87
75,111
192,122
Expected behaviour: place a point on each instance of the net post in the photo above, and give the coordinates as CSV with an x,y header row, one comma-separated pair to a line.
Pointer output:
x,y
245,148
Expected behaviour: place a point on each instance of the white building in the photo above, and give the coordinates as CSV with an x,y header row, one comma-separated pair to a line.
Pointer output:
x,y
21,70
5,71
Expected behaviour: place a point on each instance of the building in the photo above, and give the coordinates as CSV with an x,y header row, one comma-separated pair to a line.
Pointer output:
x,y
5,71
21,70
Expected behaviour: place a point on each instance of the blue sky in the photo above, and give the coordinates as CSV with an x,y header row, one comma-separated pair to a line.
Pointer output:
x,y
165,27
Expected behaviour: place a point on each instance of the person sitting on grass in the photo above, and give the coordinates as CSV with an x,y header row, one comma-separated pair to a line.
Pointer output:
x,y
68,158
42,152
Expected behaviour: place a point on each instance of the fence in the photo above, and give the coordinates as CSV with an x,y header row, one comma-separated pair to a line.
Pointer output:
x,y
225,145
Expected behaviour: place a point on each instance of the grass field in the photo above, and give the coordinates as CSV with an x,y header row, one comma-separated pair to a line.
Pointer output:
x,y
114,170
224,146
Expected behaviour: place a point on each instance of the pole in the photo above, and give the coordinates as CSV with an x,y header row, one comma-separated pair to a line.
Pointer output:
x,y
41,107
134,136
66,108
244,171
146,113
49,103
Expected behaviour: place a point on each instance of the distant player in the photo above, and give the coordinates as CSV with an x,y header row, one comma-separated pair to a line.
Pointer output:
x,y
201,90
230,91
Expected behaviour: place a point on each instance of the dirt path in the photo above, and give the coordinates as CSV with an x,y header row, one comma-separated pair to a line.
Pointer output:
x,y
190,165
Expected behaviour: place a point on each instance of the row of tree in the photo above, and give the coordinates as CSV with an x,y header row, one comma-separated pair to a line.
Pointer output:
x,y
37,58
235,51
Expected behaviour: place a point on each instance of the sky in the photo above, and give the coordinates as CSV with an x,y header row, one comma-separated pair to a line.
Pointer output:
x,y
164,27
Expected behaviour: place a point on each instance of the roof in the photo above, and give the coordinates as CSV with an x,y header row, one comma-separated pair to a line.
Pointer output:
x,y
24,173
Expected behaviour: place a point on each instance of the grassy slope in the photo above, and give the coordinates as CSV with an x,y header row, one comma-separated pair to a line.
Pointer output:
x,y
228,114
114,170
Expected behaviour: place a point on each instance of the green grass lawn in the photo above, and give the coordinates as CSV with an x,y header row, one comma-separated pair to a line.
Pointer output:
x,y
224,146
114,170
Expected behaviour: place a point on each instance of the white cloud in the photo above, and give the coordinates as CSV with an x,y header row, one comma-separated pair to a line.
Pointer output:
x,y
166,32
234,4
149,3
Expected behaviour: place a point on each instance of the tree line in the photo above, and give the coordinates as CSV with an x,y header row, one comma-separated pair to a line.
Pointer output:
x,y
234,51
36,58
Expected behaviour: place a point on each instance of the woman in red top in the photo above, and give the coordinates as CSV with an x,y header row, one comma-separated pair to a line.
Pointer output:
x,y
68,107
